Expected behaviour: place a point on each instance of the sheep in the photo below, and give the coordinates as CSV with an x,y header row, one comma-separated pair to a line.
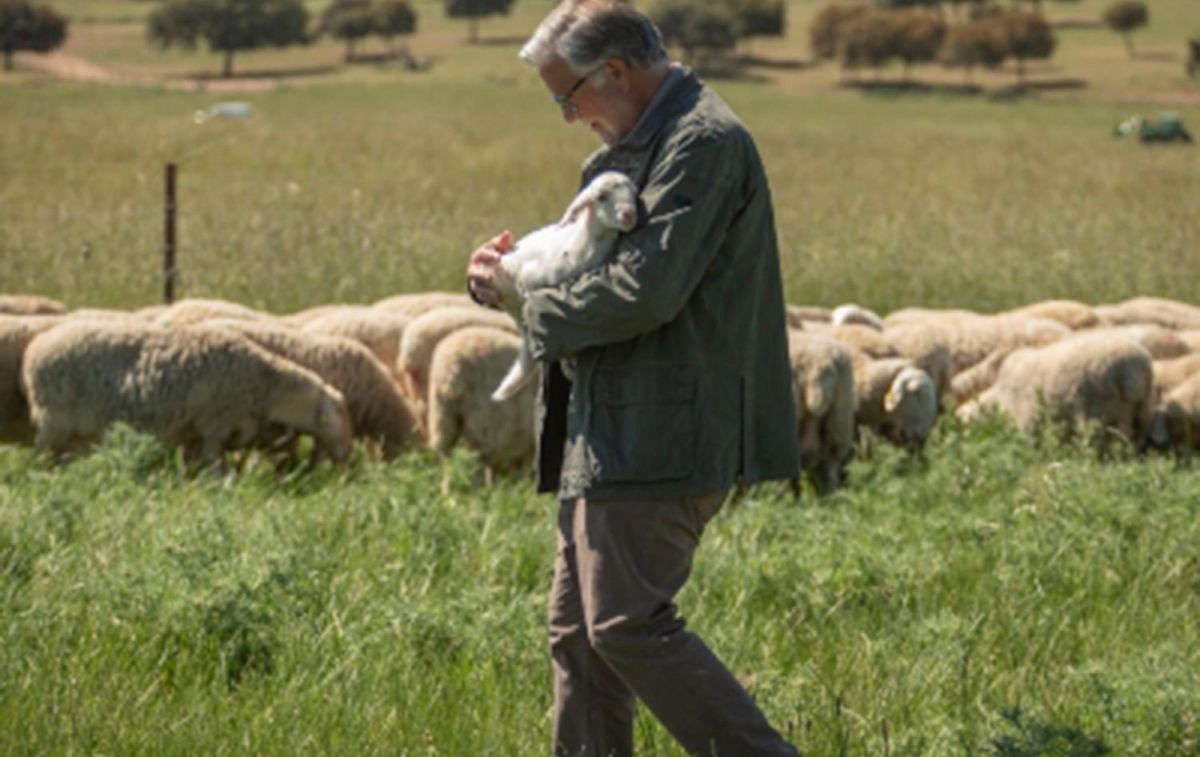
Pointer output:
x,y
852,313
414,304
422,337
823,388
914,315
16,332
1159,311
1089,378
859,337
301,317
1070,313
1162,343
205,389
971,338
797,315
1175,421
378,411
465,367
551,255
30,304
928,348
189,312
895,399
379,330
1172,372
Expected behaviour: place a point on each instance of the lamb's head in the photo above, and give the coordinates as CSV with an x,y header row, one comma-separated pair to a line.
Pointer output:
x,y
911,405
318,409
611,199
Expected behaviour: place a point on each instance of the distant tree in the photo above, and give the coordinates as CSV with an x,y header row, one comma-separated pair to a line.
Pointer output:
x,y
699,28
919,36
474,10
228,26
825,30
870,39
758,18
394,18
1124,16
980,42
24,26
1029,37
348,21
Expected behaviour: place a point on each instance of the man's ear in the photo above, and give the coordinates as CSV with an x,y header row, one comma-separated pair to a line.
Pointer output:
x,y
617,72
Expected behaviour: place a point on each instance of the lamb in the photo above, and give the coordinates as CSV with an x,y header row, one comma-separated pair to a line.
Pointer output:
x,y
1175,421
928,348
421,338
378,411
465,367
414,304
189,312
798,315
1093,377
30,304
1159,311
16,332
378,330
913,315
1172,372
205,389
1070,313
823,388
553,254
895,399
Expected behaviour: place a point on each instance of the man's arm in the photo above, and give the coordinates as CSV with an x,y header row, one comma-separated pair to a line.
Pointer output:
x,y
690,202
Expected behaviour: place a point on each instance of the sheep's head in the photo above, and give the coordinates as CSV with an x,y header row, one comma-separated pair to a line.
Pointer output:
x,y
911,405
611,198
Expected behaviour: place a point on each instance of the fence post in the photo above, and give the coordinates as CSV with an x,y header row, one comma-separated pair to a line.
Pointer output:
x,y
169,237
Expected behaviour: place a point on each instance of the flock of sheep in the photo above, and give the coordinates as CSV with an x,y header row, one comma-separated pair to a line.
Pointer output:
x,y
215,377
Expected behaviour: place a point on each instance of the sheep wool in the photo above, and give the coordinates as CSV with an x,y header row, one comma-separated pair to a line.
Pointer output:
x,y
16,332
191,312
823,387
895,399
205,389
378,330
414,304
30,304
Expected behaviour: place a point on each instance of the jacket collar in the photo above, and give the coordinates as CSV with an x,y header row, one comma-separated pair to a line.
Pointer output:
x,y
675,95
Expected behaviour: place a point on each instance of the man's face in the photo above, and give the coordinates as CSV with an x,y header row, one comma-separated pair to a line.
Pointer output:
x,y
602,101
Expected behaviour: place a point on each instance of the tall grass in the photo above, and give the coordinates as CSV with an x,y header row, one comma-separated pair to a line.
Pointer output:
x,y
1001,594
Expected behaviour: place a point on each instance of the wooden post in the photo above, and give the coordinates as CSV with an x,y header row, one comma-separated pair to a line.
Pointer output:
x,y
169,237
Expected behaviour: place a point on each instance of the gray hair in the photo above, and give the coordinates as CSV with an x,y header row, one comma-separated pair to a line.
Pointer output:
x,y
586,32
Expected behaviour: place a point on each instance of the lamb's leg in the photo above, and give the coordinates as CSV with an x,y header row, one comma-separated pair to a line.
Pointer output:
x,y
519,374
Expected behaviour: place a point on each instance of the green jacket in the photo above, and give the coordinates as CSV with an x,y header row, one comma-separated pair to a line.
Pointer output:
x,y
682,384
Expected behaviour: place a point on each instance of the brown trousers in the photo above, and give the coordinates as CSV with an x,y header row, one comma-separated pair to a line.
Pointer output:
x,y
615,634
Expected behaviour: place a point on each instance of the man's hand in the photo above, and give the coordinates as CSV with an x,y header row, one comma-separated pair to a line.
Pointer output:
x,y
485,279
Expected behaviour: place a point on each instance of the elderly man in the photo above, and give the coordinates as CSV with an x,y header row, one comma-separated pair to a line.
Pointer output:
x,y
681,387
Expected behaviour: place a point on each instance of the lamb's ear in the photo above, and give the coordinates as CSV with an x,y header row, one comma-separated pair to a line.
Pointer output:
x,y
582,204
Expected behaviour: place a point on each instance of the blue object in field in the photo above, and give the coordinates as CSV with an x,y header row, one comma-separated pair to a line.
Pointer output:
x,y
1167,127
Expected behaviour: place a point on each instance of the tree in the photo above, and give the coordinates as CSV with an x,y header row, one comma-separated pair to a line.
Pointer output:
x,y
825,31
1125,16
870,39
919,36
696,27
473,10
1029,37
29,27
981,42
392,18
758,18
228,26
348,21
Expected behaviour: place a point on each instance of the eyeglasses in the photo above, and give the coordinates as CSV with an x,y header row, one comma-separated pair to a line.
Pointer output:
x,y
564,101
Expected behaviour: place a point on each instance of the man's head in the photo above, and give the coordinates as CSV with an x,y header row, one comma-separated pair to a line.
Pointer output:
x,y
601,60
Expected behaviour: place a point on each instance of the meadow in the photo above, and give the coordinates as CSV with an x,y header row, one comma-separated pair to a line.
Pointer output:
x,y
999,595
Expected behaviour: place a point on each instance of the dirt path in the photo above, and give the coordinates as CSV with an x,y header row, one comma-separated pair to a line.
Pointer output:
x,y
74,68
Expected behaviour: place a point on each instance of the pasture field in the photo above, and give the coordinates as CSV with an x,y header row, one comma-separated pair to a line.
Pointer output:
x,y
1003,595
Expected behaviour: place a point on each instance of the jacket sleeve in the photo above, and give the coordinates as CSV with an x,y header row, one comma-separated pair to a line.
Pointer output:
x,y
690,200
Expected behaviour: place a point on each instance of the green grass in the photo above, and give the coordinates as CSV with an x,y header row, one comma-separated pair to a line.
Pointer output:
x,y
1004,593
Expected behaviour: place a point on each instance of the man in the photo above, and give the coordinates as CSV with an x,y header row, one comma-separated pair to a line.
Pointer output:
x,y
681,387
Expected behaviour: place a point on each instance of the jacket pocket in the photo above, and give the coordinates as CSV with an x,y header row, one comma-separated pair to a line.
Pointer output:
x,y
644,422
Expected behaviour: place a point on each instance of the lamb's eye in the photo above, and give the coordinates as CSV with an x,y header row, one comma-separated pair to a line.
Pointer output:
x,y
602,197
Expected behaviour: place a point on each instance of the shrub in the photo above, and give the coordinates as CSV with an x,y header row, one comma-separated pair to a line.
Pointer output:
x,y
699,29
870,39
919,36
348,21
980,42
392,18
825,31
29,27
474,10
229,25
1029,37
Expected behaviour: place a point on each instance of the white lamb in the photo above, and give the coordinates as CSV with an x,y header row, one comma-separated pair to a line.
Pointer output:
x,y
553,254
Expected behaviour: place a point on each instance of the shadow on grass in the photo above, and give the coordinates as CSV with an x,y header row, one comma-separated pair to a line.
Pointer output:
x,y
775,64
885,88
210,77
505,41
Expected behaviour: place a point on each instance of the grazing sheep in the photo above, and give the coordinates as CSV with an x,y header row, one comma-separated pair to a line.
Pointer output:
x,y
379,330
422,337
852,313
379,413
1175,422
895,399
301,317
30,304
1090,378
913,315
1172,372
1070,313
859,337
1162,343
1159,311
191,312
797,315
973,337
928,348
823,387
551,255
414,304
1190,337
16,332
465,367
206,389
